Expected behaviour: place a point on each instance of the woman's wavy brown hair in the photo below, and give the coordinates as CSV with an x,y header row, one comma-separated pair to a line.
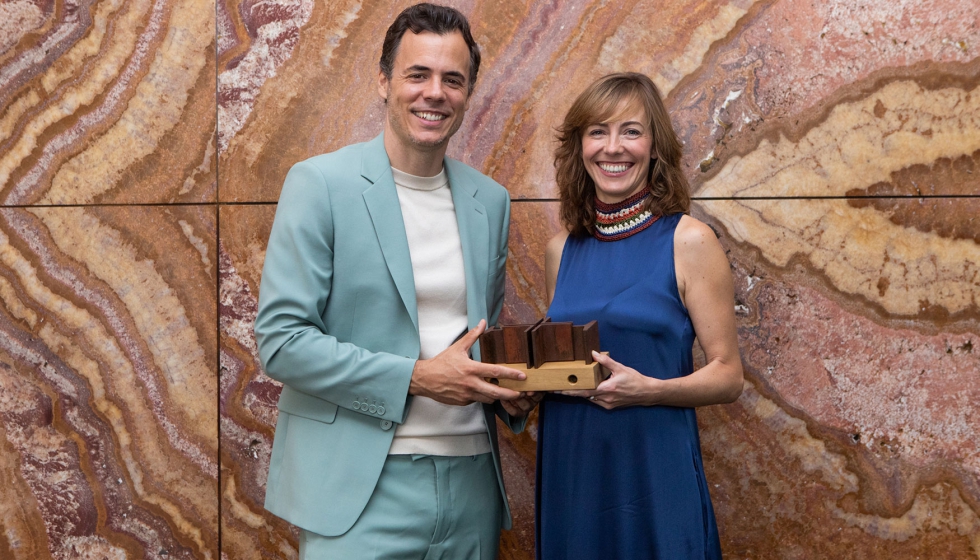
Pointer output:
x,y
599,103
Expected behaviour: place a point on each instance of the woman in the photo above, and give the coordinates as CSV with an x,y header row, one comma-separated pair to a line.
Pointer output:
x,y
619,468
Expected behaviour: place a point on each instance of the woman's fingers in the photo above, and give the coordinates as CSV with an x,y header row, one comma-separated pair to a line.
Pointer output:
x,y
583,394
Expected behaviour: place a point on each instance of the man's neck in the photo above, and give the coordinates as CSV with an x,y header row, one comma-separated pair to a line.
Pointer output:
x,y
414,160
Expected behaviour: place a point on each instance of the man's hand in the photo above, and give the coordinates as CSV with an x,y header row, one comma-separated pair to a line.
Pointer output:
x,y
453,378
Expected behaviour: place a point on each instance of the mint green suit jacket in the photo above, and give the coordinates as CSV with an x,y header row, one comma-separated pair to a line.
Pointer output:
x,y
337,324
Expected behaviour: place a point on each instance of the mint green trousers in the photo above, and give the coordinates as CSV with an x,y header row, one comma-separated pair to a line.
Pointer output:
x,y
424,508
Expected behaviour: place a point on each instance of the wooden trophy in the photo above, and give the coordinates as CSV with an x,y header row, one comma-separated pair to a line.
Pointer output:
x,y
554,356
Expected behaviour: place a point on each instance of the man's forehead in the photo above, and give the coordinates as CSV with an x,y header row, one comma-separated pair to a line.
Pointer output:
x,y
427,49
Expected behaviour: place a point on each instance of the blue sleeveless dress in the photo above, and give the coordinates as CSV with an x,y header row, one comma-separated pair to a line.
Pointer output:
x,y
625,483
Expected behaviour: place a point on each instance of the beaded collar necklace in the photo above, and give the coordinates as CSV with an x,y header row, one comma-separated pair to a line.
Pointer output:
x,y
622,219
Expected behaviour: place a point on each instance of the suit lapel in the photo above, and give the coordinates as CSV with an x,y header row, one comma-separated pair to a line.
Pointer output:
x,y
474,235
386,217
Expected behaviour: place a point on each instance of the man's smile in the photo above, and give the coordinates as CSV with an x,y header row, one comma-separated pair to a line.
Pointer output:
x,y
429,116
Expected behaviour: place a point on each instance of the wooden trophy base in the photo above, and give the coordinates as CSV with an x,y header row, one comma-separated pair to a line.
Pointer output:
x,y
556,376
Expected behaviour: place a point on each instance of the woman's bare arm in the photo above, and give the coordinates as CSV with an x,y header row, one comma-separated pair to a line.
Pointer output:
x,y
552,260
704,280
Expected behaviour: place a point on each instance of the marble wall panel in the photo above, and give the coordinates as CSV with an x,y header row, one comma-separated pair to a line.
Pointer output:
x,y
107,102
857,429
107,387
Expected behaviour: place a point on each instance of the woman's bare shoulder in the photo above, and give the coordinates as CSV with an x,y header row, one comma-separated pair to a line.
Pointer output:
x,y
693,231
695,241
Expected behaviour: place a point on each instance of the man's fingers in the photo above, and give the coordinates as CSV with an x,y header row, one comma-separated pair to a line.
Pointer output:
x,y
470,338
498,393
501,372
483,399
506,394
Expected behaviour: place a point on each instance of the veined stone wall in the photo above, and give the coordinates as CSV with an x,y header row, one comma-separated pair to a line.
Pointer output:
x,y
833,146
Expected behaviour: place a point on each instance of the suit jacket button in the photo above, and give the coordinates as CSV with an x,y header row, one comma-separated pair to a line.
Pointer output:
x,y
356,405
372,409
364,406
386,425
381,411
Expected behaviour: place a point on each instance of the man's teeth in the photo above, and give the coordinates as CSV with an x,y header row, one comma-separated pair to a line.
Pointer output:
x,y
429,116
614,167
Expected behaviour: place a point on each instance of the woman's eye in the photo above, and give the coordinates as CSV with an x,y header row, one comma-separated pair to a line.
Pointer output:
x,y
596,132
633,133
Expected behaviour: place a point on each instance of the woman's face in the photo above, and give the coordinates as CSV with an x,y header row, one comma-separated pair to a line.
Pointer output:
x,y
617,153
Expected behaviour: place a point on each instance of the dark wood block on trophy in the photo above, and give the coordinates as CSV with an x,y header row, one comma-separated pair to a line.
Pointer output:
x,y
554,356
552,342
509,344
585,340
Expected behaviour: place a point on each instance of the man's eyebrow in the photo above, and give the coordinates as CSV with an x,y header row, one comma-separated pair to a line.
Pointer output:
x,y
420,68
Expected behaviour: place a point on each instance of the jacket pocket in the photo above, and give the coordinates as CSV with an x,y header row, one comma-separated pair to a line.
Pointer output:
x,y
306,406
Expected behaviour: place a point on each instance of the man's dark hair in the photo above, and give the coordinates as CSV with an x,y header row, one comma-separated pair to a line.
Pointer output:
x,y
441,20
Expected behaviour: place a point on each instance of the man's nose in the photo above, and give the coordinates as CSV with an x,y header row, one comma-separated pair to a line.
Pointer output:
x,y
434,89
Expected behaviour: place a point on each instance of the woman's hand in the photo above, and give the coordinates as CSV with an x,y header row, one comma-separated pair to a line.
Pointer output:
x,y
624,387
523,404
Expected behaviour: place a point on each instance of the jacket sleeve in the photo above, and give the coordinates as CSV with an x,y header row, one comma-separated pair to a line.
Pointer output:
x,y
294,344
500,274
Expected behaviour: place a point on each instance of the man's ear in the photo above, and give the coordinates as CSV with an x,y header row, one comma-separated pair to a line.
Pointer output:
x,y
383,86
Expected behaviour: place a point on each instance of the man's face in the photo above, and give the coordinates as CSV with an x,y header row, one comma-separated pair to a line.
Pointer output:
x,y
428,92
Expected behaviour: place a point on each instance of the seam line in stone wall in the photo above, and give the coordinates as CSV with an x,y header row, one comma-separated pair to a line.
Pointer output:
x,y
734,198
217,276
513,200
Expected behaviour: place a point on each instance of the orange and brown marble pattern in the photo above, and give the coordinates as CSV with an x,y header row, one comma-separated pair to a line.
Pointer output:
x,y
107,102
108,351
833,146
107,382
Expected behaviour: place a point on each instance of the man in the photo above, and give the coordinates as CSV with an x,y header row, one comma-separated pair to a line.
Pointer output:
x,y
381,254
